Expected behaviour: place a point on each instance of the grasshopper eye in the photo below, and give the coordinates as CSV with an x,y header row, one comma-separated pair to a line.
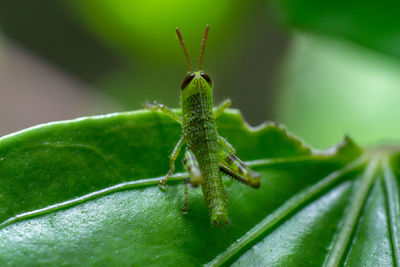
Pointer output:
x,y
206,77
187,80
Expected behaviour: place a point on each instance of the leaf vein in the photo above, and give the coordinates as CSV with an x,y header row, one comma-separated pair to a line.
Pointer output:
x,y
284,211
392,203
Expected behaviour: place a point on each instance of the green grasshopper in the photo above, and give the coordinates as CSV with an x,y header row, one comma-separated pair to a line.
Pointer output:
x,y
207,153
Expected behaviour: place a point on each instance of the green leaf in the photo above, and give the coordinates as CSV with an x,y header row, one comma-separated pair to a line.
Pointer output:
x,y
369,23
84,192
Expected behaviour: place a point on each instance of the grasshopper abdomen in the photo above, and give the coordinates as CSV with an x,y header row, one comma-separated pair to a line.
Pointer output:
x,y
201,137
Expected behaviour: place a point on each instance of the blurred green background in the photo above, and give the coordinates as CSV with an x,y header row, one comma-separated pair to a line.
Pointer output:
x,y
322,68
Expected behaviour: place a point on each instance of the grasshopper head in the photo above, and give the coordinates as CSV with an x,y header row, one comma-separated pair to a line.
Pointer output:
x,y
196,78
195,81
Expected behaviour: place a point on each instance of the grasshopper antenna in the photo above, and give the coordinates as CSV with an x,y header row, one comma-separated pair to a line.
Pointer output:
x,y
203,45
184,49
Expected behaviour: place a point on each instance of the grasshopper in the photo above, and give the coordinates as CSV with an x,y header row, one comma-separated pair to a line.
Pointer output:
x,y
206,153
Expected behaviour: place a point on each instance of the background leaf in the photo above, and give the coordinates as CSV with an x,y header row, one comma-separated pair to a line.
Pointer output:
x,y
364,22
337,87
85,192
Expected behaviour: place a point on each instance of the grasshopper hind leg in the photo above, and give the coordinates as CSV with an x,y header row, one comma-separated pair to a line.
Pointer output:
x,y
230,164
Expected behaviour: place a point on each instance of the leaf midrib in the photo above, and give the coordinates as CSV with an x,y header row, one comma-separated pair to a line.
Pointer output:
x,y
356,203
393,209
284,211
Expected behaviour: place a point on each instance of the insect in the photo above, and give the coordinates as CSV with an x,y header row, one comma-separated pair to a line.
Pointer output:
x,y
206,152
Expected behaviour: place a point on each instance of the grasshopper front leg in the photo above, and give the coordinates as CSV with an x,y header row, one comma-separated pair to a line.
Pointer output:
x,y
221,108
165,110
172,159
230,164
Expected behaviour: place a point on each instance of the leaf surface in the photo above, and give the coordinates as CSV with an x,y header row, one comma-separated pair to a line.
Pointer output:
x,y
84,192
